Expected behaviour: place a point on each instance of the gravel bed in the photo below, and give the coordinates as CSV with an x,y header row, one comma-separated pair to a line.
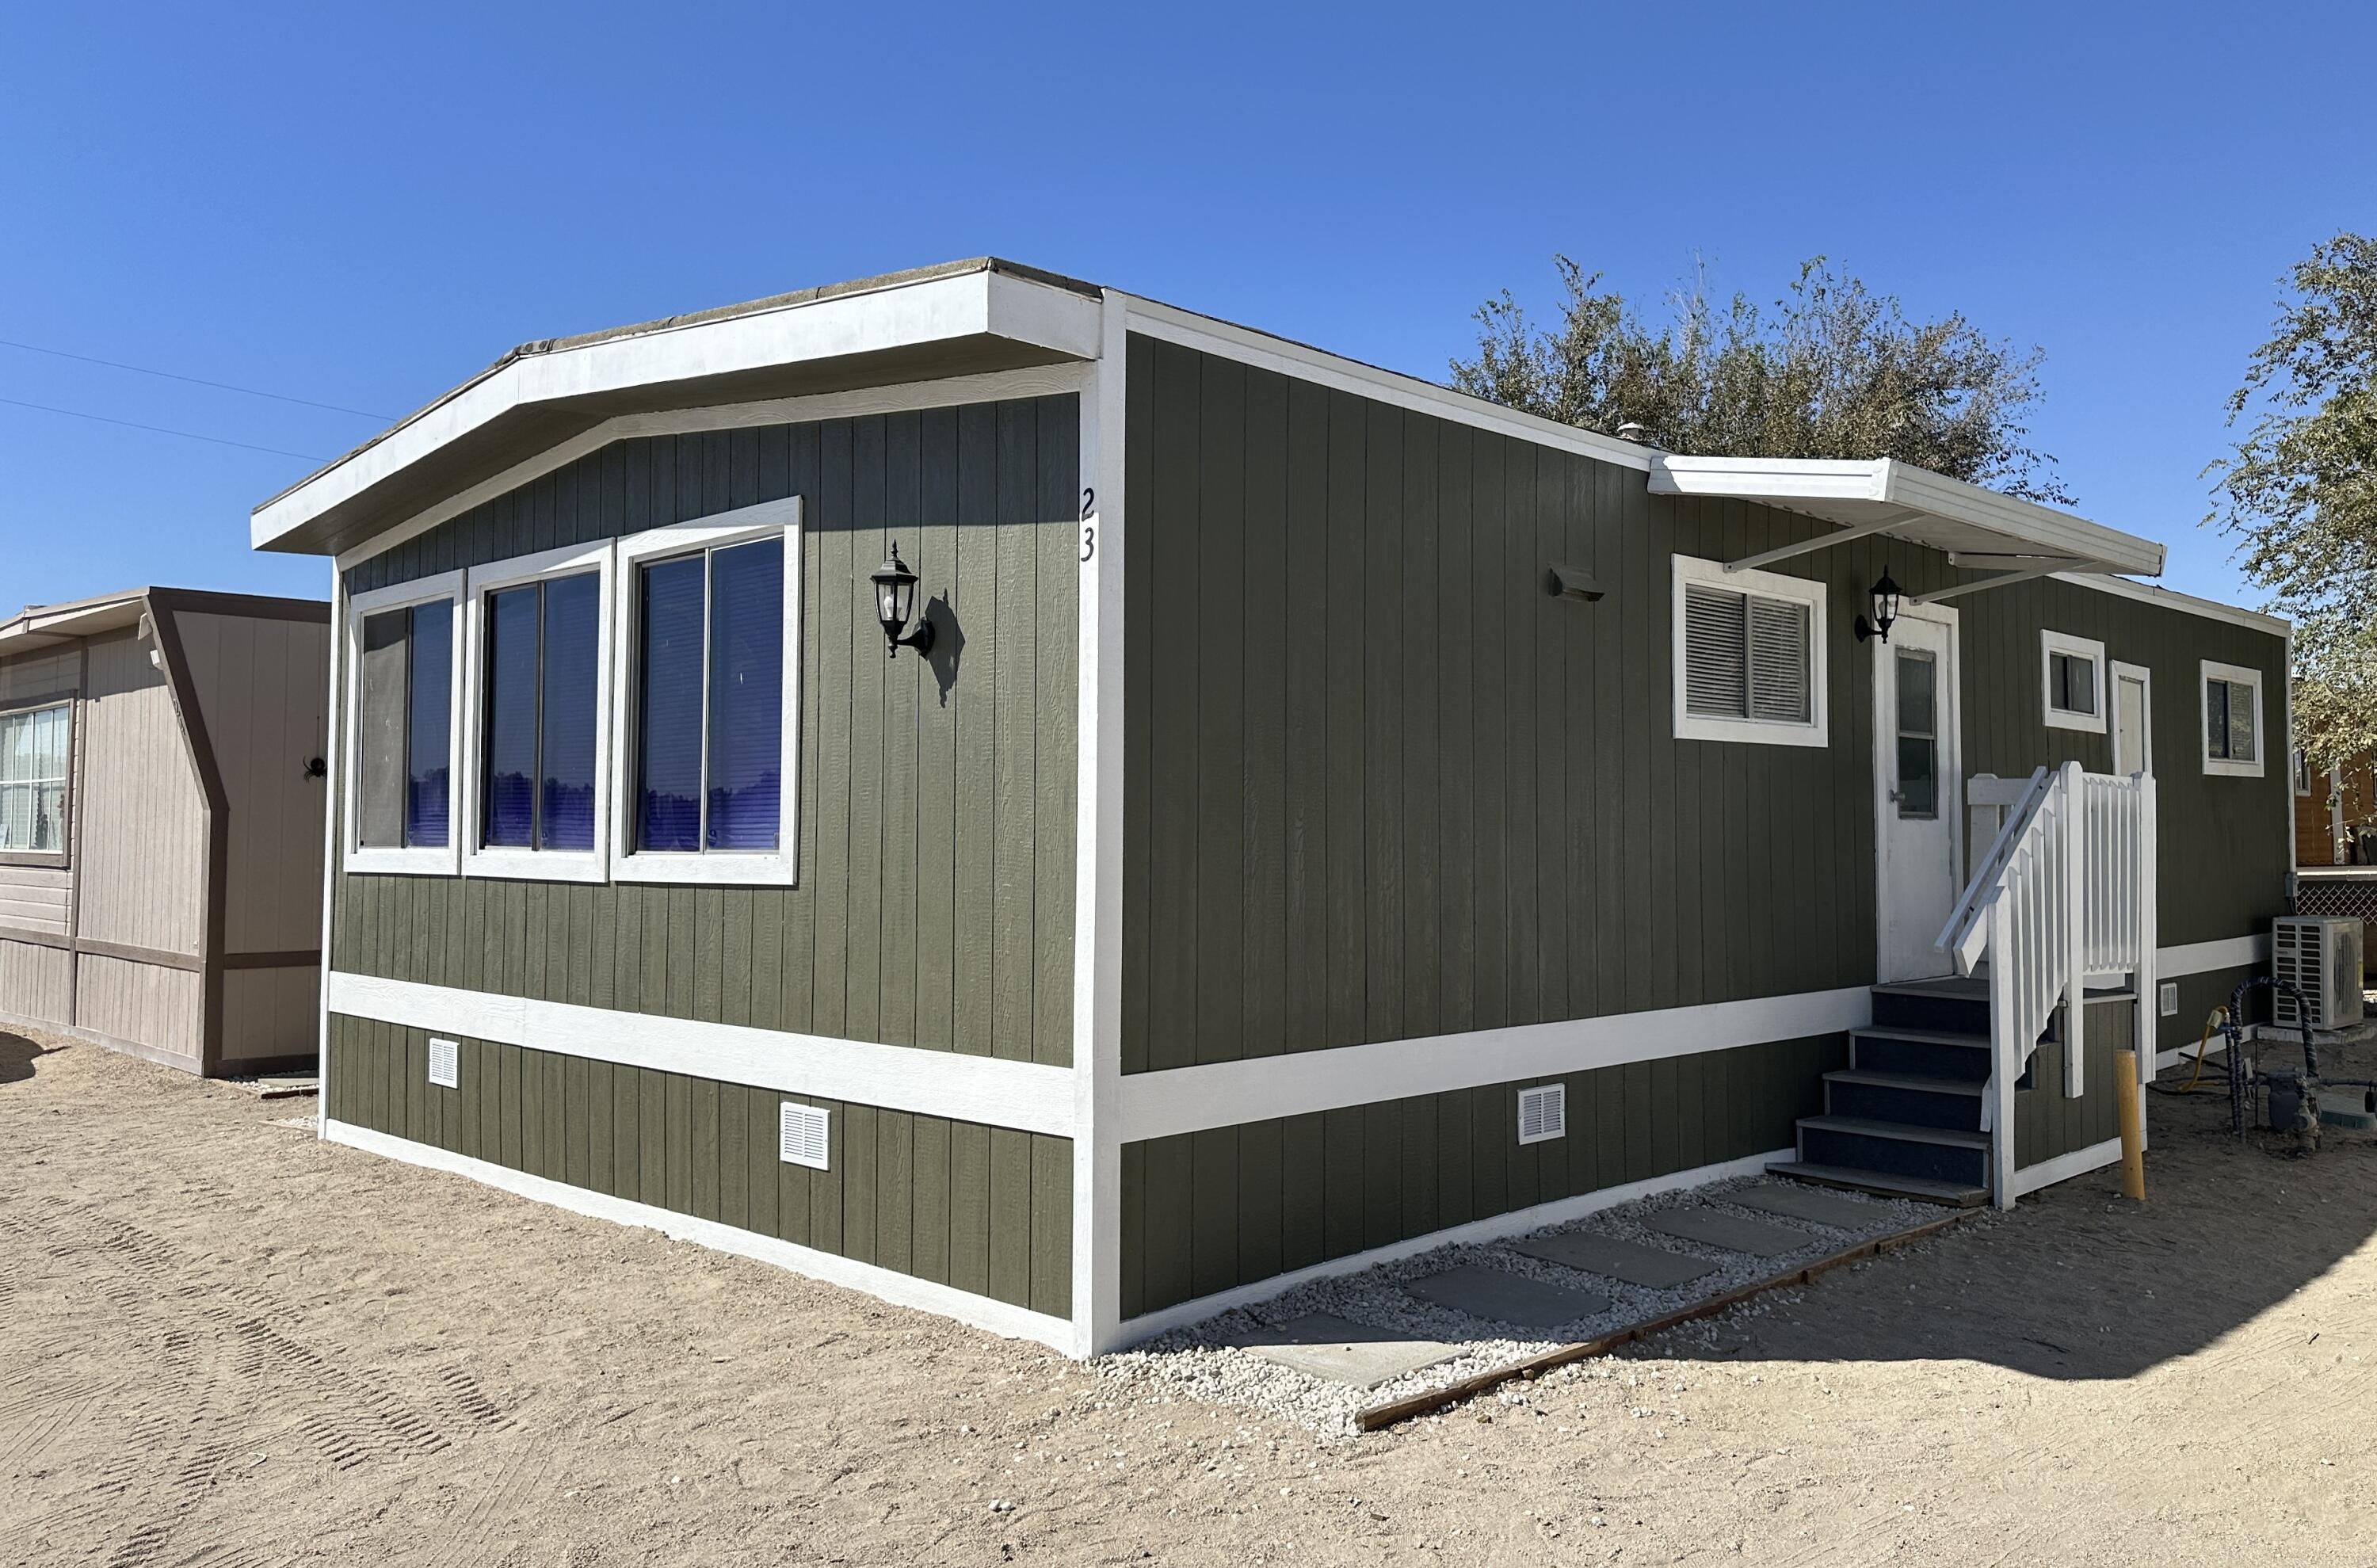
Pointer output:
x,y
1209,1361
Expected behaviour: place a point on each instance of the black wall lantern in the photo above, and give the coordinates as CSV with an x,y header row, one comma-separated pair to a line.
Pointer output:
x,y
895,601
1886,609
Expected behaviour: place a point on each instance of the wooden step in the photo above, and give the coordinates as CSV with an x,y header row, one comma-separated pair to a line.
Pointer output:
x,y
1882,1184
1897,1149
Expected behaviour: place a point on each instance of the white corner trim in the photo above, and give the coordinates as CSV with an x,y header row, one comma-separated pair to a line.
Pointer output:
x,y
2171,599
1518,1222
2051,642
2064,1167
2208,671
2203,958
333,814
987,1090
1230,1093
1806,590
444,860
888,1285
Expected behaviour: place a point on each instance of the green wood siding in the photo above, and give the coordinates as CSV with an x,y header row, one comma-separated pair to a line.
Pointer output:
x,y
2048,1123
987,1210
935,904
1203,1211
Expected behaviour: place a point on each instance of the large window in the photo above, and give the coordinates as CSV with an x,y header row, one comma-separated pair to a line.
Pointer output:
x,y
2072,673
34,757
539,676
2232,721
401,780
1750,655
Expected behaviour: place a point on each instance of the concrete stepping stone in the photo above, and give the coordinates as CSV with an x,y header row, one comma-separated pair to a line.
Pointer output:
x,y
1498,1296
1808,1204
1713,1227
1628,1261
1358,1355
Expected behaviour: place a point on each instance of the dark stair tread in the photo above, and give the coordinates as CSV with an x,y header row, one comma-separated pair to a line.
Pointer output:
x,y
1914,1081
1923,1036
1951,986
1905,1131
1881,1183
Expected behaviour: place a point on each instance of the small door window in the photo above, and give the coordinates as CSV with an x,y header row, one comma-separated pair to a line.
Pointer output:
x,y
1918,734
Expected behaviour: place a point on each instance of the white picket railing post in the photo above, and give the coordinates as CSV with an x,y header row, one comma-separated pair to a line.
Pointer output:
x,y
2074,955
2005,1064
2147,1037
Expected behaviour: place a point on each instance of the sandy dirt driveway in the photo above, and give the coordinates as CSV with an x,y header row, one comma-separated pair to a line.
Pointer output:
x,y
226,1345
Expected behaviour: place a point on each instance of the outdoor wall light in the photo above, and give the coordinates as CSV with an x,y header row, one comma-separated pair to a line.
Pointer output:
x,y
1886,609
895,601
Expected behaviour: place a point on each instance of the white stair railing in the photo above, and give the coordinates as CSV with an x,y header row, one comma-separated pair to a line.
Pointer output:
x,y
2066,890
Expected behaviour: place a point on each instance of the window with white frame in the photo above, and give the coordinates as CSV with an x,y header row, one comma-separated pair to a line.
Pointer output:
x,y
537,791
2232,720
2072,672
1750,657
35,754
708,618
403,691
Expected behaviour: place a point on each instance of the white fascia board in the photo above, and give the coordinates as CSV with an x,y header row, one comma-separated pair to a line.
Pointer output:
x,y
1809,479
902,315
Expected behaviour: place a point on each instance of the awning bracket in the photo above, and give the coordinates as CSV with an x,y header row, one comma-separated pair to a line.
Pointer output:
x,y
1825,540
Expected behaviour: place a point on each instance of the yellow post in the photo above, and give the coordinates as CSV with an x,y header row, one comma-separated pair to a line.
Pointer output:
x,y
2134,1151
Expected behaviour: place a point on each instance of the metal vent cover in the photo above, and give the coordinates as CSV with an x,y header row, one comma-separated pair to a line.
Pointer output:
x,y
2167,998
1543,1113
445,1064
802,1135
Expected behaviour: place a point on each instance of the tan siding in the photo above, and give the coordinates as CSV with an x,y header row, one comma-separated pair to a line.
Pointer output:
x,y
143,833
269,1012
38,675
262,687
145,1003
34,981
35,897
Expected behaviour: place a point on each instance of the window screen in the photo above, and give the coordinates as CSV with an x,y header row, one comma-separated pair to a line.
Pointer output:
x,y
709,710
404,689
33,755
1747,656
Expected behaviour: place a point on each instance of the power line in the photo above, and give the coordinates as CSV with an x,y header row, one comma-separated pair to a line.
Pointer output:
x,y
193,380
186,435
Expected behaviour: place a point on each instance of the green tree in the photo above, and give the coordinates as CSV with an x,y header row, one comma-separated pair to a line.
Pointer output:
x,y
1831,370
2302,488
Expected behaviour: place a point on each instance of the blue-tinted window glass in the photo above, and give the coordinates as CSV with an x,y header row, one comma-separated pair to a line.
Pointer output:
x,y
511,746
747,694
572,609
429,706
668,756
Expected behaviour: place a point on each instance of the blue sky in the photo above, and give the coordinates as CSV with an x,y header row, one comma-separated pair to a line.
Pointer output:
x,y
364,206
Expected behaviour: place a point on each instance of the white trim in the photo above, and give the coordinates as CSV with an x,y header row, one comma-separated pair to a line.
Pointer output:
x,y
2171,599
333,812
988,1090
1229,1094
383,859
2051,642
2144,676
2064,1167
2208,671
1689,569
1948,725
886,1285
537,865
780,869
1247,346
2203,958
1518,1222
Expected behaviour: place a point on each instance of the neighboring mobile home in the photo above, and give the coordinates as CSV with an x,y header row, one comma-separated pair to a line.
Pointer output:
x,y
162,759
1308,767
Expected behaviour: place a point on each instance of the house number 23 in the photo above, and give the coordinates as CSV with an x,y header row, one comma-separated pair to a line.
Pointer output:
x,y
1089,529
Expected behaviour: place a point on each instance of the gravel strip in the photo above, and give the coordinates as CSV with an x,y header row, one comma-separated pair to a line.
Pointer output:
x,y
1206,1361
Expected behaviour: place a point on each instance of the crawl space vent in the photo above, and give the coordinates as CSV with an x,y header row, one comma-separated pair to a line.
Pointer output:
x,y
1543,1113
801,1135
445,1064
2167,998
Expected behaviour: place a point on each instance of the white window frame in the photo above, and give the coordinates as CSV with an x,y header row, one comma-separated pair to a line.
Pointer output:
x,y
2053,642
1690,569
545,864
2208,671
404,860
735,869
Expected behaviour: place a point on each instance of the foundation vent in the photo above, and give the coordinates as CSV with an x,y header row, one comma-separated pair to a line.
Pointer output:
x,y
445,1064
801,1135
1543,1113
2167,998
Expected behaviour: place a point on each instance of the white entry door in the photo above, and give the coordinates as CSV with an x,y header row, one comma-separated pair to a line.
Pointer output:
x,y
1918,790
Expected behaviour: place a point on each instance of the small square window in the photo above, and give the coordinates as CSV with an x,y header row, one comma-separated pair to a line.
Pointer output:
x,y
34,752
2073,671
1750,655
2232,721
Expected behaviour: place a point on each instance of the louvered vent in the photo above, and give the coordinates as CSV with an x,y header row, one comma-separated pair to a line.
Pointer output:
x,y
1746,656
1543,1113
445,1064
801,1135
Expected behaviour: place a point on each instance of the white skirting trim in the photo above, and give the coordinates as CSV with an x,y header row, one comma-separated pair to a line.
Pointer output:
x,y
2202,958
1518,1222
987,1090
903,1290
2064,1167
1189,1099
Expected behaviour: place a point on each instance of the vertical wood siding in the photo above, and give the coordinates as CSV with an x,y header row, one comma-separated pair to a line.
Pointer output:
x,y
36,982
145,1003
984,1209
142,837
1203,1211
2045,1121
936,855
270,1012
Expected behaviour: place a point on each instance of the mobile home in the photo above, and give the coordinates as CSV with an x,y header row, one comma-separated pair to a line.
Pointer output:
x,y
1279,769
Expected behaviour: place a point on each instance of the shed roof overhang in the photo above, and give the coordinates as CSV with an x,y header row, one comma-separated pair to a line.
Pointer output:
x,y
1977,528
961,319
37,627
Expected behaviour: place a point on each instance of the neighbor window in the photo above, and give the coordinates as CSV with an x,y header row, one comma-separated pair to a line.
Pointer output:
x,y
1749,659
2073,668
33,760
2232,720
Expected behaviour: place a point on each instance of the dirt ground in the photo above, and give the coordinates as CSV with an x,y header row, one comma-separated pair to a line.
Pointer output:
x,y
226,1345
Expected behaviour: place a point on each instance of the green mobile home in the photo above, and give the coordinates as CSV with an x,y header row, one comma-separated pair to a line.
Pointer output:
x,y
1283,771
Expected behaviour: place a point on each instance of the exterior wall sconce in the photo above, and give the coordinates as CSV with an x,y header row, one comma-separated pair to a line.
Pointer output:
x,y
1886,609
895,601
1572,582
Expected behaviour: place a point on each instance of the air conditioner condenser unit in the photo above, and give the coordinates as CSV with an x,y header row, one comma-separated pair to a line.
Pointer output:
x,y
2322,954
